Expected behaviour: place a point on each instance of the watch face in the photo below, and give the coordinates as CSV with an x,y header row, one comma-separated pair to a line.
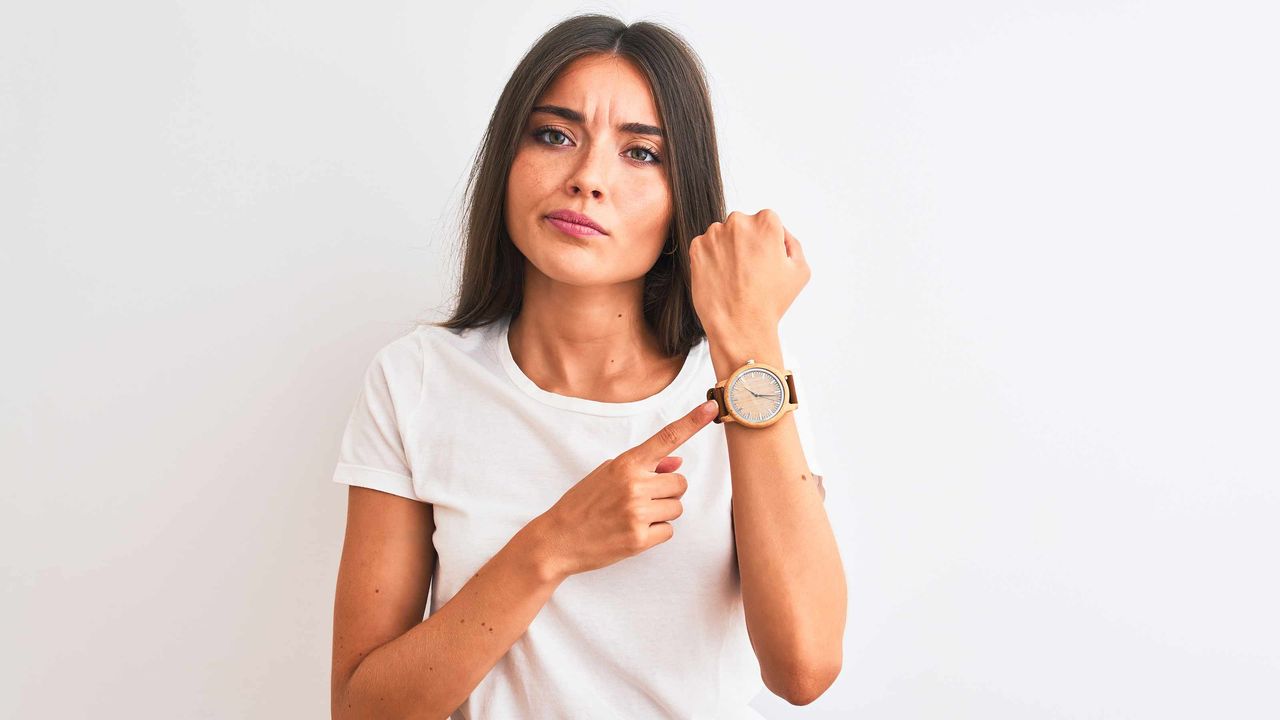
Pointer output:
x,y
756,395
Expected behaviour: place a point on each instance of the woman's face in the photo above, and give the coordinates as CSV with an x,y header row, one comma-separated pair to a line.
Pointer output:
x,y
589,164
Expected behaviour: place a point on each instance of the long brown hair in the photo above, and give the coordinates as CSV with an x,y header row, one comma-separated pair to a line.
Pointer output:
x,y
492,280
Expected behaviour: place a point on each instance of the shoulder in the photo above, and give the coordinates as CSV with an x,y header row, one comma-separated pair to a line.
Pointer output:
x,y
402,355
426,347
394,375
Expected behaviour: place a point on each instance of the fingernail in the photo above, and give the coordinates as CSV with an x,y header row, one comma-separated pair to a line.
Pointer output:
x,y
707,408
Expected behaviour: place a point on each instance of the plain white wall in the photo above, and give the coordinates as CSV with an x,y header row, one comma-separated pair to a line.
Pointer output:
x,y
1043,317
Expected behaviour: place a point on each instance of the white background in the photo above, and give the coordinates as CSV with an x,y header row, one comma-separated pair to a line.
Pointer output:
x,y
1043,318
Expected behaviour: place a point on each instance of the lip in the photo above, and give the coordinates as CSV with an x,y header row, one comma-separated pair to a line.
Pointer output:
x,y
575,223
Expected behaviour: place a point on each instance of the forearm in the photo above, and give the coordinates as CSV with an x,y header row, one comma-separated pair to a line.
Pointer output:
x,y
793,586
430,670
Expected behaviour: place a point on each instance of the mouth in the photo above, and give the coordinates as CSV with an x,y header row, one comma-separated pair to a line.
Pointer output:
x,y
574,229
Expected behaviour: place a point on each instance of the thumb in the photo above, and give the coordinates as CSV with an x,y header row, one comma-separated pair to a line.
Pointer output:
x,y
792,245
668,464
673,435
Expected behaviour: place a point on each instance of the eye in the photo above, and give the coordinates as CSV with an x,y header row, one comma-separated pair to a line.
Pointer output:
x,y
548,130
652,153
537,135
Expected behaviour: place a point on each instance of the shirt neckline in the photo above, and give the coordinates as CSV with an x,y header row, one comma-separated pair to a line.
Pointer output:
x,y
673,390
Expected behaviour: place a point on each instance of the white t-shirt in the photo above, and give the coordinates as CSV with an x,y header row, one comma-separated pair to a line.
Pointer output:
x,y
447,417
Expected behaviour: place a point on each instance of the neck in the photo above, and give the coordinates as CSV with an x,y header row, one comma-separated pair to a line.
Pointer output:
x,y
589,342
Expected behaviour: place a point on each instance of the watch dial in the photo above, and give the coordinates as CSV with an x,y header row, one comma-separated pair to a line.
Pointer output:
x,y
756,395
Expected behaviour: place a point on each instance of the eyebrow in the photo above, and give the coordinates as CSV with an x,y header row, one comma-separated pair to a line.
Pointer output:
x,y
575,116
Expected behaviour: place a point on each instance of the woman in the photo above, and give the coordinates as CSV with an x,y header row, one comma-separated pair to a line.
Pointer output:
x,y
519,454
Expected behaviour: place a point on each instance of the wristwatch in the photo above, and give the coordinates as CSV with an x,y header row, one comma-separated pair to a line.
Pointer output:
x,y
755,395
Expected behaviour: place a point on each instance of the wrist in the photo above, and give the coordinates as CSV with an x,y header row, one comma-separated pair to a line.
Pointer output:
x,y
541,550
730,350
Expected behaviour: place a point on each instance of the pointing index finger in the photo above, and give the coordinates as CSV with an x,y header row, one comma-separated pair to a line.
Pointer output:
x,y
674,434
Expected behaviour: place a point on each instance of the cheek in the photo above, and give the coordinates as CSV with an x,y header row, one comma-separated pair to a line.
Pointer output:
x,y
657,210
527,179
522,187
517,178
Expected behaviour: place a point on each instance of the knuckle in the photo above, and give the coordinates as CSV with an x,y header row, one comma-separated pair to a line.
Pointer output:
x,y
637,493
668,435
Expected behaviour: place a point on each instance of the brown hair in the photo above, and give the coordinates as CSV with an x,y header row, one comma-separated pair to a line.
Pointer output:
x,y
492,279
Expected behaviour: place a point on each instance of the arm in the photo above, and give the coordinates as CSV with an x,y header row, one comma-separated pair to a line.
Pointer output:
x,y
793,585
387,660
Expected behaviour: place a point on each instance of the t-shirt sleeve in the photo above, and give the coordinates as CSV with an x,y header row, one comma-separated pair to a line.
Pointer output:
x,y
805,390
375,452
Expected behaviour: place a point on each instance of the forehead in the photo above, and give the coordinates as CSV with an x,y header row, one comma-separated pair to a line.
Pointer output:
x,y
603,87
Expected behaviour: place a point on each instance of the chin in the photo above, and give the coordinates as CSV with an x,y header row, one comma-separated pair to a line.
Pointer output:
x,y
581,267
570,264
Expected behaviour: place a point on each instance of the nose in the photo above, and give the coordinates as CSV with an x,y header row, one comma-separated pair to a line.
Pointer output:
x,y
590,173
